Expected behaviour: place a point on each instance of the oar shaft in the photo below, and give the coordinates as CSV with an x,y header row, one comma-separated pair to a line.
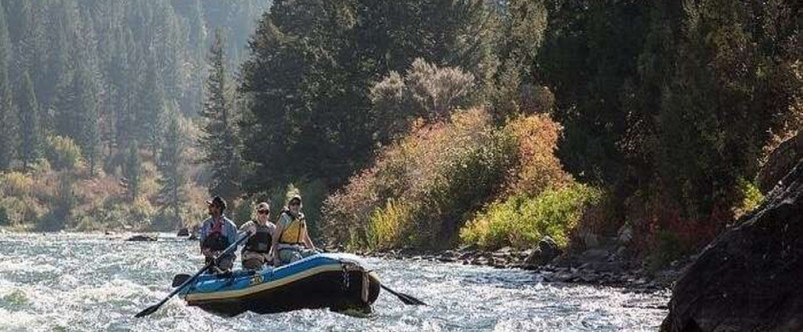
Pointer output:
x,y
229,250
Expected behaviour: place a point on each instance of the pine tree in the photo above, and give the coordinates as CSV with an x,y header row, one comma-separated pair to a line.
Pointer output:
x,y
132,170
220,141
171,166
77,114
30,133
88,138
8,116
151,115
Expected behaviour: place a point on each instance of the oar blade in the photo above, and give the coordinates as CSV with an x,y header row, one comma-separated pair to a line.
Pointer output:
x,y
180,279
406,299
147,311
409,300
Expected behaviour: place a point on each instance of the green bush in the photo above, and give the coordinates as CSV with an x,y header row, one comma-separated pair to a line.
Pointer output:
x,y
750,194
521,221
387,225
63,153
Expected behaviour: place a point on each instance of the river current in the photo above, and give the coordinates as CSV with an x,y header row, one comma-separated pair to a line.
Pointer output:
x,y
93,282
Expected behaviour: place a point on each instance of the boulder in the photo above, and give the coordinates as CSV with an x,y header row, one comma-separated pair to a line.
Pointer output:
x,y
546,251
625,234
143,237
751,277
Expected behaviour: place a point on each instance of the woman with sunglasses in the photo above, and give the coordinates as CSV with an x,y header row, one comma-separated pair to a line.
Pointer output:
x,y
291,241
256,252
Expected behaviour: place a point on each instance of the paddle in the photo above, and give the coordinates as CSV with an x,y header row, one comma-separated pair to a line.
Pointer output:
x,y
153,308
180,279
407,299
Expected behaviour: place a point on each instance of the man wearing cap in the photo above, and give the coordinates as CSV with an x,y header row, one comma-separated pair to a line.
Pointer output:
x,y
256,252
291,241
217,234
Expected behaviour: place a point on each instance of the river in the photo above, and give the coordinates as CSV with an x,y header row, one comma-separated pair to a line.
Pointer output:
x,y
93,282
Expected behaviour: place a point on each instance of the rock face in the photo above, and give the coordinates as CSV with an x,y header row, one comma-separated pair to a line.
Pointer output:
x,y
751,277
780,162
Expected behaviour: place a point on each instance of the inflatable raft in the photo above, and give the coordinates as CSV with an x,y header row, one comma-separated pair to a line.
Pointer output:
x,y
336,281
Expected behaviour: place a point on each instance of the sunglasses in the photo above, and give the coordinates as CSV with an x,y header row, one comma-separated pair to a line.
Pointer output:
x,y
295,203
263,211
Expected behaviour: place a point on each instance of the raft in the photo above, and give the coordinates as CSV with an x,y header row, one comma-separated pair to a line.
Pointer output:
x,y
335,281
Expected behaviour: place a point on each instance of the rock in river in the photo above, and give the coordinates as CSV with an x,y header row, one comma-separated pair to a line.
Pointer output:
x,y
143,237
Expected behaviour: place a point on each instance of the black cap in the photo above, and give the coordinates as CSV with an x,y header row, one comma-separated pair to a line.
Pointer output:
x,y
217,201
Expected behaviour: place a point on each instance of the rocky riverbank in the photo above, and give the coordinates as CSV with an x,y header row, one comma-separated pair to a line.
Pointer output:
x,y
598,266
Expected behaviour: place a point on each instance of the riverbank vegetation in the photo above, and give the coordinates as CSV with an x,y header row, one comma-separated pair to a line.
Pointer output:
x,y
432,124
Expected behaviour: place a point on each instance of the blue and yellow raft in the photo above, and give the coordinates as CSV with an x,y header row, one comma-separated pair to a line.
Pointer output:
x,y
335,281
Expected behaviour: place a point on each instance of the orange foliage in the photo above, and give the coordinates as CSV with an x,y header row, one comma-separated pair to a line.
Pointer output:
x,y
538,167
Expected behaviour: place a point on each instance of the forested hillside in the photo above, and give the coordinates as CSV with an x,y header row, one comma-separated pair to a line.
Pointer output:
x,y
86,86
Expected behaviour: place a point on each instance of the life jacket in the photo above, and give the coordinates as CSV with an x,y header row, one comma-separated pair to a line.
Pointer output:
x,y
291,234
215,239
260,241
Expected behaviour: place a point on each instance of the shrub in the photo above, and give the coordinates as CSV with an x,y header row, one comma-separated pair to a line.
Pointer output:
x,y
15,184
63,153
521,220
141,212
22,209
387,225
425,91
750,194
441,173
538,168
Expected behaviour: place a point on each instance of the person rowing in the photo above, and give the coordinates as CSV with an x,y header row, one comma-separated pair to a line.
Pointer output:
x,y
217,234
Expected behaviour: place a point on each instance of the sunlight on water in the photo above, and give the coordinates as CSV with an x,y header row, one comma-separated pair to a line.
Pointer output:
x,y
85,282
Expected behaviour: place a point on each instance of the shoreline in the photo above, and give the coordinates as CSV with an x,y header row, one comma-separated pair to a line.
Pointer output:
x,y
567,268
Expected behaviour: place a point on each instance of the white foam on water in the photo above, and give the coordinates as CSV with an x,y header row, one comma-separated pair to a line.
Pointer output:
x,y
25,265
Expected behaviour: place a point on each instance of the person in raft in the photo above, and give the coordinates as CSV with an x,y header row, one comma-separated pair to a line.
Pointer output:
x,y
217,234
291,241
256,252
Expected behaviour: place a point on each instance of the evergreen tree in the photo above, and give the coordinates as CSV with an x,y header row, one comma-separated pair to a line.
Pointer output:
x,y
312,64
30,133
171,166
220,141
151,114
133,170
88,138
77,114
8,116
